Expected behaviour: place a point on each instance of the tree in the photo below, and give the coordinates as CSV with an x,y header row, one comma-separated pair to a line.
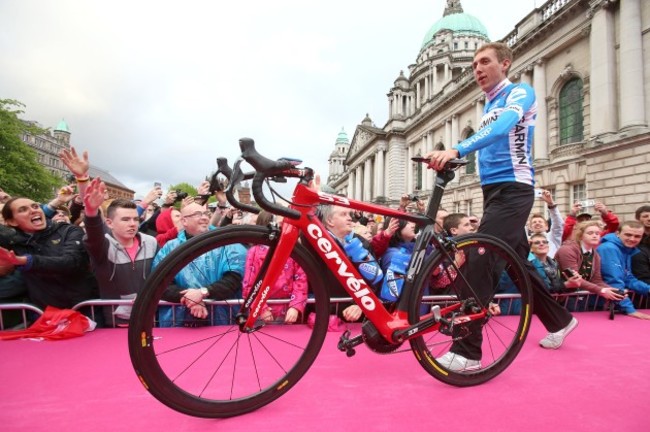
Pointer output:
x,y
20,172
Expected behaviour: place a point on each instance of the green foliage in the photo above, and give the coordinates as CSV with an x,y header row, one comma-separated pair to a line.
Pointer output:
x,y
20,172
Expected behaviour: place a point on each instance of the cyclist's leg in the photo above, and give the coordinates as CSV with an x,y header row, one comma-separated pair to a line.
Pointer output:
x,y
506,210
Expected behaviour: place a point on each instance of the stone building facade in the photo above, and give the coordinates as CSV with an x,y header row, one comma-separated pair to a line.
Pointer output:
x,y
49,145
587,63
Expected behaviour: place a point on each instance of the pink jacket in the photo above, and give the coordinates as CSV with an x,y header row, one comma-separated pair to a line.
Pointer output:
x,y
292,283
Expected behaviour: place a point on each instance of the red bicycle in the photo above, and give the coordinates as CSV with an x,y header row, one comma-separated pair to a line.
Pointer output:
x,y
228,370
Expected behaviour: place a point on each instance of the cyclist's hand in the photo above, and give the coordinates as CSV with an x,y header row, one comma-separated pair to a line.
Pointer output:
x,y
292,315
438,159
352,313
494,309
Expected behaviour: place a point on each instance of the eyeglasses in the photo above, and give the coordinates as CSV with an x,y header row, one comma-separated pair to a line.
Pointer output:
x,y
540,242
199,214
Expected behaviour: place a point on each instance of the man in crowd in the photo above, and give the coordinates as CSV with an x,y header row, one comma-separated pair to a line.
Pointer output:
x,y
616,252
216,275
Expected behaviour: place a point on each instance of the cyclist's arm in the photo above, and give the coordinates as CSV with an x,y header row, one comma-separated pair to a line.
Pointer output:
x,y
519,101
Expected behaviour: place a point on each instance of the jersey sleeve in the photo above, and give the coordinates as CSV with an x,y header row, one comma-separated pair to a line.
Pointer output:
x,y
518,102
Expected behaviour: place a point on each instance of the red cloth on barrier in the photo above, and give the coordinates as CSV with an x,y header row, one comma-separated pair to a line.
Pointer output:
x,y
54,324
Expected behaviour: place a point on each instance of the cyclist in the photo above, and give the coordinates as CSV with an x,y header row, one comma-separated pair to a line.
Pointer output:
x,y
504,143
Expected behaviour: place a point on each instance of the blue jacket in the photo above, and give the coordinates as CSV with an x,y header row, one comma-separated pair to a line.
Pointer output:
x,y
616,268
207,269
220,271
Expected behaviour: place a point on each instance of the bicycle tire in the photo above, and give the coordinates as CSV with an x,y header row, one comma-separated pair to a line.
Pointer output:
x,y
194,370
502,335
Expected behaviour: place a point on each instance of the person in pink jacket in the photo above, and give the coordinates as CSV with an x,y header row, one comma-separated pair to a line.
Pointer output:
x,y
292,283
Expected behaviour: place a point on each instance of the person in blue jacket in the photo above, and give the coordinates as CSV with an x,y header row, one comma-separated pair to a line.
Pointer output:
x,y
216,275
616,252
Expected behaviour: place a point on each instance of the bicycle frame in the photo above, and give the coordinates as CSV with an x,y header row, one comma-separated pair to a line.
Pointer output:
x,y
393,326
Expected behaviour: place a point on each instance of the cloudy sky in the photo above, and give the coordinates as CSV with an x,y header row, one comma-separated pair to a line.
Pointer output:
x,y
156,90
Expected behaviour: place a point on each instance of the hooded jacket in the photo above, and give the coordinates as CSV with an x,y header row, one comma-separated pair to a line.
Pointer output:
x,y
118,275
616,268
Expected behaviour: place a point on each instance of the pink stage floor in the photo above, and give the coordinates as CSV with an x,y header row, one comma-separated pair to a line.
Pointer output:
x,y
598,381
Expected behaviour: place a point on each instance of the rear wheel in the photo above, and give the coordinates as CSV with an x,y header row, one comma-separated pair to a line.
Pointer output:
x,y
491,278
217,370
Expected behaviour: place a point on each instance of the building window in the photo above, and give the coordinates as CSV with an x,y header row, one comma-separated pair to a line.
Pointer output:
x,y
571,112
466,45
455,45
578,192
470,168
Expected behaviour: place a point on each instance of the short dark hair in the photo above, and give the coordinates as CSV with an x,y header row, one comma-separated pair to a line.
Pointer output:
x,y
642,209
630,223
452,220
119,203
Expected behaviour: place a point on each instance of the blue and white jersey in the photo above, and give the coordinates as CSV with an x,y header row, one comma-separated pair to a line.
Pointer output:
x,y
505,135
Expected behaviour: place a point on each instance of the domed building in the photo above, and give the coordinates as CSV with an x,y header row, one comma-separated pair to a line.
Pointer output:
x,y
586,62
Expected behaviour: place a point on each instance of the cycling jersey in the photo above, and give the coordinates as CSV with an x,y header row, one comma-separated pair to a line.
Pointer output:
x,y
504,138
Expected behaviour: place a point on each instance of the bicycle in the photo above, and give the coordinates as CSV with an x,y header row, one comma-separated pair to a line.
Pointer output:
x,y
228,370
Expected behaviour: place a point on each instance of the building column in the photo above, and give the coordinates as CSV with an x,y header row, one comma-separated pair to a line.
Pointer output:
x,y
417,95
455,133
478,113
358,191
351,182
428,178
367,180
380,169
603,73
448,142
540,149
632,102
409,169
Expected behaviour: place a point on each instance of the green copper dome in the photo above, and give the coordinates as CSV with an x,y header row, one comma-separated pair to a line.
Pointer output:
x,y
62,126
457,23
342,138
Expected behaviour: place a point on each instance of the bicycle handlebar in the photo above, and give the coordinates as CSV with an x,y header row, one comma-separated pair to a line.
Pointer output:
x,y
264,168
235,175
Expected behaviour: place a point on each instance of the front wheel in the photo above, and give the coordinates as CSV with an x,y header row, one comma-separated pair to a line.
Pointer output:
x,y
210,368
479,276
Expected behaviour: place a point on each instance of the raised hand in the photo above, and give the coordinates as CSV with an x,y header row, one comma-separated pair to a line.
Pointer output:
x,y
77,165
94,196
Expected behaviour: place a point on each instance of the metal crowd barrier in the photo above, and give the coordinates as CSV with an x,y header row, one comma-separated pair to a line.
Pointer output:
x,y
579,301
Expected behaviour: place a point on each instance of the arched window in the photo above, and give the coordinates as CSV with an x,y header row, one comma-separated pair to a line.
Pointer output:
x,y
470,168
571,128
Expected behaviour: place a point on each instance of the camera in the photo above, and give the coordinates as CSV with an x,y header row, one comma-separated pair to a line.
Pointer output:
x,y
414,198
70,178
180,195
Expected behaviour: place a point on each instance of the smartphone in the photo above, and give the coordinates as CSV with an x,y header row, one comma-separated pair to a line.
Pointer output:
x,y
538,193
157,184
568,273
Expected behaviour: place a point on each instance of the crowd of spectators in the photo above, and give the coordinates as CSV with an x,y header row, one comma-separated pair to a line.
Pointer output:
x,y
83,245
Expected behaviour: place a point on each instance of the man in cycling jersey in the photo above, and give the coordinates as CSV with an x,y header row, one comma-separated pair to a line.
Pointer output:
x,y
503,142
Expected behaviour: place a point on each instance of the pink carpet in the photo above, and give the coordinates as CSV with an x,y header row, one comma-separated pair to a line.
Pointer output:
x,y
598,381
